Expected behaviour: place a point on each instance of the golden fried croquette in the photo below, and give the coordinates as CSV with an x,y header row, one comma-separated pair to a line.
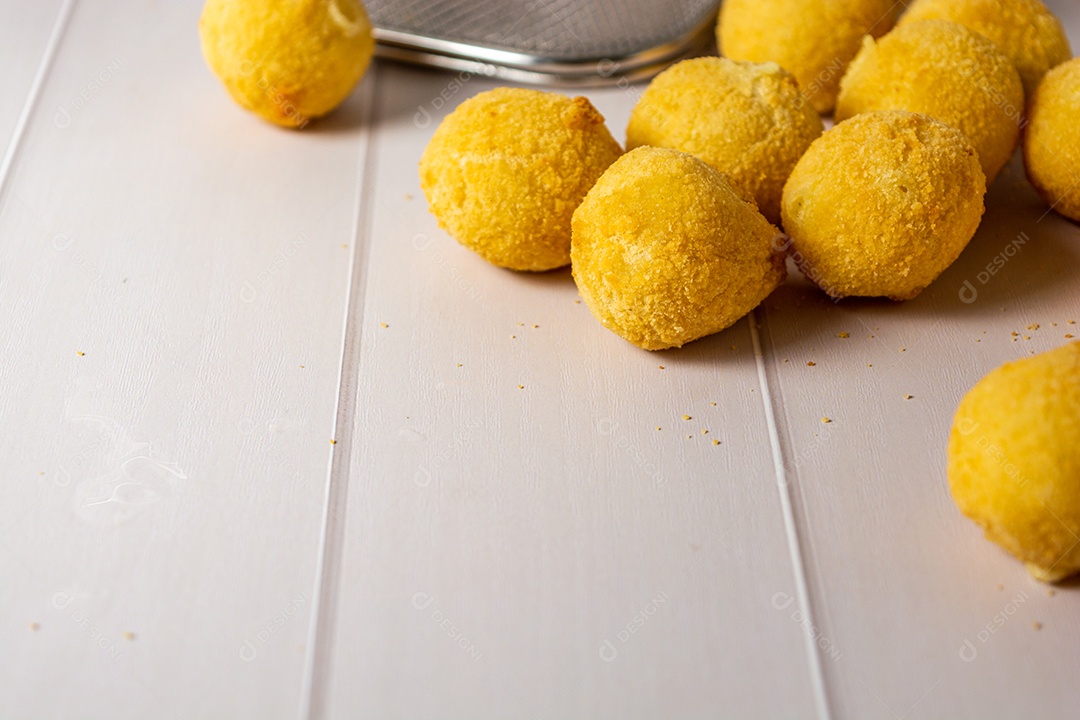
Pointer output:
x,y
505,171
812,39
1025,30
288,61
881,204
942,69
1014,460
747,120
665,250
1052,139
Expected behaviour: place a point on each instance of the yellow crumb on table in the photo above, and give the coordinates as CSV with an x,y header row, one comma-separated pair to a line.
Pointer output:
x,y
128,635
811,364
333,441
843,335
826,420
80,353
686,417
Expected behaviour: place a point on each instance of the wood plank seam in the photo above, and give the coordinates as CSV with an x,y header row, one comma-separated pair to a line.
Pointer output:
x,y
798,566
42,74
322,624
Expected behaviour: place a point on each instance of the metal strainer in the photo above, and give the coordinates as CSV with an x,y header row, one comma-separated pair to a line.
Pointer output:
x,y
548,42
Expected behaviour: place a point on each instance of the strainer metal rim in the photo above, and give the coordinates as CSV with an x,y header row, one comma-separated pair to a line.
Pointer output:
x,y
537,70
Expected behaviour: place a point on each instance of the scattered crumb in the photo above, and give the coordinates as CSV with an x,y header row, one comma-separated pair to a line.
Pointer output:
x,y
1051,592
1037,625
535,326
383,325
128,635
1015,334
826,420
345,245
459,364
811,364
908,397
408,196
521,324
1071,322
903,349
301,367
1068,336
40,472
577,302
1032,326
704,431
999,585
80,353
786,360
34,627
521,387
513,337
689,437
842,335
333,441
658,428
1027,337
713,404
715,442
686,417
660,366
869,365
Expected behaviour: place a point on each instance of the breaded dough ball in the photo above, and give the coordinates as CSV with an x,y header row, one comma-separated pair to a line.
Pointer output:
x,y
1014,460
1052,139
747,120
1025,30
944,70
666,251
812,39
505,171
288,61
881,204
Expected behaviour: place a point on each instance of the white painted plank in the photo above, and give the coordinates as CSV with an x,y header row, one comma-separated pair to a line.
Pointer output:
x,y
497,540
168,482
25,30
932,620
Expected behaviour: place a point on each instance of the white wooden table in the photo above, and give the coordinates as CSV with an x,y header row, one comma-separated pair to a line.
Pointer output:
x,y
194,303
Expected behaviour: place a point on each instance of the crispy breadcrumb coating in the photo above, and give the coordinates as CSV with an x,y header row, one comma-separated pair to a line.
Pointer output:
x,y
944,70
505,171
665,250
881,204
812,39
288,61
1025,30
747,120
1052,139
1014,460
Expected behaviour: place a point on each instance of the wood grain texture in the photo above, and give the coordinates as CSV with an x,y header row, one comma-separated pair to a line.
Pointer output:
x,y
512,507
173,275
